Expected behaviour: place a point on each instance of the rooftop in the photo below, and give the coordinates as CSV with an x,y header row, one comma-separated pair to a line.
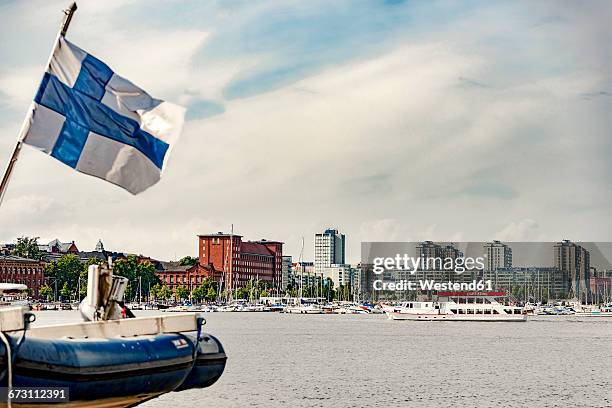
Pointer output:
x,y
255,248
13,258
219,234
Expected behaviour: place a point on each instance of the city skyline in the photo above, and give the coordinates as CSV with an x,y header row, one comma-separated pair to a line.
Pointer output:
x,y
376,118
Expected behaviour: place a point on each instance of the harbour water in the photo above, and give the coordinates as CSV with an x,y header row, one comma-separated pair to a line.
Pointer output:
x,y
278,360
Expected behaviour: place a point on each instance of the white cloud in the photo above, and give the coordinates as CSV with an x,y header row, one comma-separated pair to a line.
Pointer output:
x,y
523,230
391,147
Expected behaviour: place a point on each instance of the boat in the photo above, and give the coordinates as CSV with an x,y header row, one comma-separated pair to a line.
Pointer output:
x,y
109,360
556,310
180,308
370,308
136,306
277,307
305,309
13,294
257,307
358,309
459,306
604,311
239,305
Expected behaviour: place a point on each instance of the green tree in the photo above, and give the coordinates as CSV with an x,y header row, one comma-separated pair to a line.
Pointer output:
x,y
66,271
155,289
164,293
211,294
65,292
242,293
182,293
136,271
27,247
198,294
188,261
46,292
209,289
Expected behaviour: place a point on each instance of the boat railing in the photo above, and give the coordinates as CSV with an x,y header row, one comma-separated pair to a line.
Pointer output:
x,y
138,326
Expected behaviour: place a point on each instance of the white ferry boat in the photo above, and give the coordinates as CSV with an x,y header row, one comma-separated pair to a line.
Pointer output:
x,y
459,306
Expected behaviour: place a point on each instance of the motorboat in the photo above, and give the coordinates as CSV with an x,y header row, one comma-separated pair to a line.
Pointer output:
x,y
305,308
110,359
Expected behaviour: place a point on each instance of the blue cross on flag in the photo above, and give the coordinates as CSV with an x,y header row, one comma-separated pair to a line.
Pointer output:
x,y
99,123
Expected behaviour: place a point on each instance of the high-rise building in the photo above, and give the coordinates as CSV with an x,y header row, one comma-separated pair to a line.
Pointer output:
x,y
250,260
499,255
329,249
286,272
434,255
574,264
428,249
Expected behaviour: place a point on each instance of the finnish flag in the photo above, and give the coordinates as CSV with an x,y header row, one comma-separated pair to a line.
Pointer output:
x,y
99,123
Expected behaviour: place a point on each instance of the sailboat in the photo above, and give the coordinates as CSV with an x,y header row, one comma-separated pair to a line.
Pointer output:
x,y
304,306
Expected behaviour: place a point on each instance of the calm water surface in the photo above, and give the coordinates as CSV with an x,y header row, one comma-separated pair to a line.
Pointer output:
x,y
278,360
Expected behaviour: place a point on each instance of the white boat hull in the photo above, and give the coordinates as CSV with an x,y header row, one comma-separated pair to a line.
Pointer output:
x,y
304,310
593,314
456,317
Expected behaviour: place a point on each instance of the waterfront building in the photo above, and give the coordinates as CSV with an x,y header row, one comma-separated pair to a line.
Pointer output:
x,y
499,255
329,249
305,270
573,261
173,274
529,283
249,260
56,249
340,274
29,272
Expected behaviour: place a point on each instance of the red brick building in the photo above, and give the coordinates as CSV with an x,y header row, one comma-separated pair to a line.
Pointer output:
x,y
251,259
173,275
14,269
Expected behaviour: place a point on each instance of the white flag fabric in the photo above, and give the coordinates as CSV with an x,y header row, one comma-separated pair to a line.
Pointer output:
x,y
99,123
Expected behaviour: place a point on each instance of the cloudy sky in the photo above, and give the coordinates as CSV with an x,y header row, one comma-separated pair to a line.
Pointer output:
x,y
390,120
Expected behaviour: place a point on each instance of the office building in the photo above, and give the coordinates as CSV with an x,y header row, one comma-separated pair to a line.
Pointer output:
x,y
499,255
329,249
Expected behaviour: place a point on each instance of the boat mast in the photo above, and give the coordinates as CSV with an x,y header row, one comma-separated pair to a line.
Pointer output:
x,y
229,281
302,271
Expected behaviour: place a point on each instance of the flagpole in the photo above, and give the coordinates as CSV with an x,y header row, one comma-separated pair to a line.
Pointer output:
x,y
68,13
